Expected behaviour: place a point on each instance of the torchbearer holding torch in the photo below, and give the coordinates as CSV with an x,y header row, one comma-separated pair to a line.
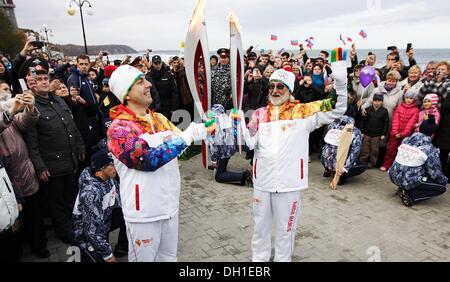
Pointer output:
x,y
279,135
145,146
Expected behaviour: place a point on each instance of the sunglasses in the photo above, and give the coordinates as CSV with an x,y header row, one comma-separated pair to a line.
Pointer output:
x,y
279,86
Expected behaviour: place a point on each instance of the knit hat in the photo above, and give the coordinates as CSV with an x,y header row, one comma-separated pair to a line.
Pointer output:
x,y
285,77
378,96
434,98
100,159
108,71
428,127
123,79
411,94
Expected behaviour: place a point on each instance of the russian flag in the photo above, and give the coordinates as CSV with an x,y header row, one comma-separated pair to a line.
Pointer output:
x,y
281,51
363,34
273,37
349,39
294,42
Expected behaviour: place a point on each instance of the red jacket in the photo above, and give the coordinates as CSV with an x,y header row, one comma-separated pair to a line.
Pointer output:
x,y
405,117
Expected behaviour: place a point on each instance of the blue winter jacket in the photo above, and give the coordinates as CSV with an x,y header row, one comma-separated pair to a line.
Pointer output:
x,y
329,151
92,212
417,158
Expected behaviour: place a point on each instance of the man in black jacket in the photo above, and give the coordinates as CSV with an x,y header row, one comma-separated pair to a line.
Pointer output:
x,y
374,127
55,147
87,116
164,81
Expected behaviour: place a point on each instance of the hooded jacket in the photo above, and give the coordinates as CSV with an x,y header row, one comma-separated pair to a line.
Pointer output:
x,y
416,158
405,117
92,212
332,140
20,170
222,143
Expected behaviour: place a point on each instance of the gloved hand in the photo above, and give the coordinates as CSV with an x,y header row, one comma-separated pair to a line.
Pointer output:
x,y
339,67
194,133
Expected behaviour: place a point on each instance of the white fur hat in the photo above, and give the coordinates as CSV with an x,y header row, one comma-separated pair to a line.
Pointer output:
x,y
123,79
285,77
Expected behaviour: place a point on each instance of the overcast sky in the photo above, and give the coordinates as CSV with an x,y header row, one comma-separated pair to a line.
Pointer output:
x,y
162,24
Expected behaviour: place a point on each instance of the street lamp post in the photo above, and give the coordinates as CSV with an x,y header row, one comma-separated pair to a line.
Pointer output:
x,y
71,11
47,30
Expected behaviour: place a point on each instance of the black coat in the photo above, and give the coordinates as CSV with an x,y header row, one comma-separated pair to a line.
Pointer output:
x,y
87,117
257,92
442,138
165,83
55,143
309,94
376,123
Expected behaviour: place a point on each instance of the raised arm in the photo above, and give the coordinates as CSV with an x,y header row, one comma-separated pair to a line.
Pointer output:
x,y
339,75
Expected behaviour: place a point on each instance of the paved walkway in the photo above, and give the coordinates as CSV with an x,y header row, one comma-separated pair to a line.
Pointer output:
x,y
362,221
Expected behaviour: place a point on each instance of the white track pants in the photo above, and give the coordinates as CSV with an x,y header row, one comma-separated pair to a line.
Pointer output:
x,y
153,241
284,209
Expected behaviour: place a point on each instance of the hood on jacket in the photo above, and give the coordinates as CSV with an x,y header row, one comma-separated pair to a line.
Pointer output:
x,y
418,140
341,122
87,178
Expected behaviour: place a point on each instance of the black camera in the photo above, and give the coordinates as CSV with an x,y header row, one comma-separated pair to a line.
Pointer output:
x,y
105,53
408,47
38,44
392,48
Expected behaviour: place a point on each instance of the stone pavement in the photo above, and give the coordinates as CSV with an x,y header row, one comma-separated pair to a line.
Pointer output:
x,y
361,221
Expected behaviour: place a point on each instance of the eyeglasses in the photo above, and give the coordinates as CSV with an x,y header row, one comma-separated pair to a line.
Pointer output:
x,y
279,86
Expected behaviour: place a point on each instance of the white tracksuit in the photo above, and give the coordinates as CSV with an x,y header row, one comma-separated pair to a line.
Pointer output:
x,y
280,169
150,202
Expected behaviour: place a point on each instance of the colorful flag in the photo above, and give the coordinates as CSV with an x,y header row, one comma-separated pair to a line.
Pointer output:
x,y
273,37
281,51
294,42
342,39
349,39
363,34
183,45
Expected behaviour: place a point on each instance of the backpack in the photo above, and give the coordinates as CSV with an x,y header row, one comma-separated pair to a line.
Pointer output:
x,y
9,211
